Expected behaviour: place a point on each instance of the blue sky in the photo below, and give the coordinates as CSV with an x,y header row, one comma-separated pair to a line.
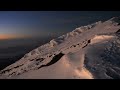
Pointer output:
x,y
42,23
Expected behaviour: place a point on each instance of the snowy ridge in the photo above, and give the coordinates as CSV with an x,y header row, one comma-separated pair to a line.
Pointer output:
x,y
73,42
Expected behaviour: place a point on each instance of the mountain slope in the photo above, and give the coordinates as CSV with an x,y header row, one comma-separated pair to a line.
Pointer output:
x,y
82,53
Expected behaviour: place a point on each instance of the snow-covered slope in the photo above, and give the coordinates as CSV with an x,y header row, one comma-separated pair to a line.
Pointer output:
x,y
84,53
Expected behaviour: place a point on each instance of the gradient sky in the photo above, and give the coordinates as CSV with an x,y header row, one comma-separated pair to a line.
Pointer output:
x,y
22,24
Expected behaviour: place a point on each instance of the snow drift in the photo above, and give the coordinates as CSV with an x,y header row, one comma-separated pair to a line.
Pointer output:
x,y
88,52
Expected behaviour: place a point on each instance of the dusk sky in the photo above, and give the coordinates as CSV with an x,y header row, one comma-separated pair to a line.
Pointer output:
x,y
22,24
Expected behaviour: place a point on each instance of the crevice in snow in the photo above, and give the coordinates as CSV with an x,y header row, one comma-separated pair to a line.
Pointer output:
x,y
53,61
87,43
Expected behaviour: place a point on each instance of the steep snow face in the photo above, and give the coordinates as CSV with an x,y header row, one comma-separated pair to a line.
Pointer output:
x,y
103,59
63,57
65,68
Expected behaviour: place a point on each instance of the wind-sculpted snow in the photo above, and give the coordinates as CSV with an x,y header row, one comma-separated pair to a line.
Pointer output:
x,y
103,59
75,52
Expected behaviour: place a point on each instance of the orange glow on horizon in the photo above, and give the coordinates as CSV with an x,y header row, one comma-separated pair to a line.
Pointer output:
x,y
11,36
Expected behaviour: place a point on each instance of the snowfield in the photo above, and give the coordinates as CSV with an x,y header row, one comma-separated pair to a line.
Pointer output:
x,y
88,52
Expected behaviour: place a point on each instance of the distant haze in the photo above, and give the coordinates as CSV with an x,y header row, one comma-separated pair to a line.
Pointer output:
x,y
30,24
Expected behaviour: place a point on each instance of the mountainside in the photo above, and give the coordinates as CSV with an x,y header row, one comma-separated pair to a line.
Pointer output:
x,y
88,52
